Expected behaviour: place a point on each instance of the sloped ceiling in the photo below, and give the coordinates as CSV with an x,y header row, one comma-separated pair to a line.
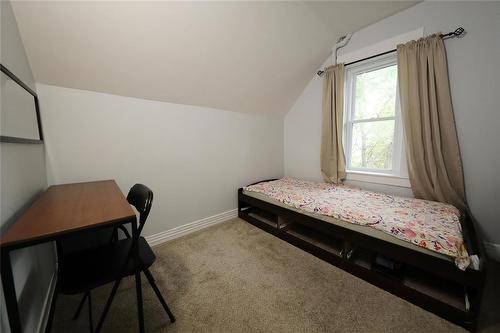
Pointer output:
x,y
237,56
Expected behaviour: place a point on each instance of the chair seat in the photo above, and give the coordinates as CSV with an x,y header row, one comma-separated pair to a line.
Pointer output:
x,y
95,267
86,240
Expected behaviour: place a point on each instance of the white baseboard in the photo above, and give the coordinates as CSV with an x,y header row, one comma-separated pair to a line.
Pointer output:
x,y
47,303
493,250
185,229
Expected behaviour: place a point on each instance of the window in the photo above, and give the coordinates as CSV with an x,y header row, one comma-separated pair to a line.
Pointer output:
x,y
373,137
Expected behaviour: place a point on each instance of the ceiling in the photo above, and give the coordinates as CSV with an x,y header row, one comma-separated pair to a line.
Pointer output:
x,y
237,56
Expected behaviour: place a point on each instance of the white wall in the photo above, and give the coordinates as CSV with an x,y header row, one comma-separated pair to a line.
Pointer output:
x,y
23,176
475,77
194,159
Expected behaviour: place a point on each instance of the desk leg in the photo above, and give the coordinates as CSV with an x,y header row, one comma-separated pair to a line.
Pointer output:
x,y
140,309
52,309
138,286
9,292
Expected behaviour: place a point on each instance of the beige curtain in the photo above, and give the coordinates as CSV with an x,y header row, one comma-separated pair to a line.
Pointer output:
x,y
433,154
332,152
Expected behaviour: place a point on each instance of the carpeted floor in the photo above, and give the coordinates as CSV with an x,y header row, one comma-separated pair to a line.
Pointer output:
x,y
234,277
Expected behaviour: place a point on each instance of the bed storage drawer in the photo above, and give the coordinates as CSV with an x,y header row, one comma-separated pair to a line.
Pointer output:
x,y
407,276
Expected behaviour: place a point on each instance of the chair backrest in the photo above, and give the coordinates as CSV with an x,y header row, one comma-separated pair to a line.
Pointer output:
x,y
141,197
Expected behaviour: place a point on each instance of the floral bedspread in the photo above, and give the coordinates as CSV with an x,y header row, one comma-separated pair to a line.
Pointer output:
x,y
431,225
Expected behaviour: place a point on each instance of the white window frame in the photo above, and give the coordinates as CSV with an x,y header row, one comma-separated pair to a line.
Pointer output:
x,y
398,175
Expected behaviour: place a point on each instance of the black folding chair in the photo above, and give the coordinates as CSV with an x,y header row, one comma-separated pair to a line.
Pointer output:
x,y
86,270
71,246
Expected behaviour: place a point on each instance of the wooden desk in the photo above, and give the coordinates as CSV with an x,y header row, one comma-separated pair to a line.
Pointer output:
x,y
60,211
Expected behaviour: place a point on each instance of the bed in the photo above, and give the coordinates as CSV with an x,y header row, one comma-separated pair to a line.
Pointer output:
x,y
439,258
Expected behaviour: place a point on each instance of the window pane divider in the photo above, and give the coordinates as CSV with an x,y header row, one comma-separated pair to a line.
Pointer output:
x,y
368,120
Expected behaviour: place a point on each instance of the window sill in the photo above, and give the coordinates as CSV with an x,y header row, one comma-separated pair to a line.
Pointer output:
x,y
377,178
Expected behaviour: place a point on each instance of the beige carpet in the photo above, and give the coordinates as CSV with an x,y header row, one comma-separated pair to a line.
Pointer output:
x,y
233,277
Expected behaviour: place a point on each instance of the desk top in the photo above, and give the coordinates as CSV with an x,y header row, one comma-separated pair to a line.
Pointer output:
x,y
67,208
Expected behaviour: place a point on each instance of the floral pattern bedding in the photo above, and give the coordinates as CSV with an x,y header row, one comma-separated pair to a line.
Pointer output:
x,y
431,225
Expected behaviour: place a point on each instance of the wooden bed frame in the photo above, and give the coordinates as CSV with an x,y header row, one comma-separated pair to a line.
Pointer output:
x,y
425,279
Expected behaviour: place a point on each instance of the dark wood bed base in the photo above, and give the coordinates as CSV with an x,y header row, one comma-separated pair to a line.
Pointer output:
x,y
279,221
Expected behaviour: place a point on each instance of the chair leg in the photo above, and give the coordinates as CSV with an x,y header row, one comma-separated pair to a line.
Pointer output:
x,y
91,324
140,310
107,306
80,306
152,282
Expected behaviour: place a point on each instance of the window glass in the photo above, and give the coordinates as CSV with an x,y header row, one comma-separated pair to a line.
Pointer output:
x,y
375,94
372,137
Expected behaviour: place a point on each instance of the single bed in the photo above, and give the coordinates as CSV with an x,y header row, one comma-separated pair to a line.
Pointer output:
x,y
430,227
355,227
333,225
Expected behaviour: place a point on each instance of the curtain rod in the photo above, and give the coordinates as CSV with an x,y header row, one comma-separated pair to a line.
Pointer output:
x,y
459,31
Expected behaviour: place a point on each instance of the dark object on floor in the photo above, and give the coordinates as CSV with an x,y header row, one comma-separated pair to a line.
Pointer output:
x,y
83,271
389,267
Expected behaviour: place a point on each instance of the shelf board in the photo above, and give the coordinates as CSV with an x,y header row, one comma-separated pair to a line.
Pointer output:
x,y
445,291
262,216
316,238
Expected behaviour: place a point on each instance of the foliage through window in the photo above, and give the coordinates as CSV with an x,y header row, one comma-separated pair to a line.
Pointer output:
x,y
373,136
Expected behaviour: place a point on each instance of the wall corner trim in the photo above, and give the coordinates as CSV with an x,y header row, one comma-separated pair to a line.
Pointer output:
x,y
168,235
47,303
493,250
